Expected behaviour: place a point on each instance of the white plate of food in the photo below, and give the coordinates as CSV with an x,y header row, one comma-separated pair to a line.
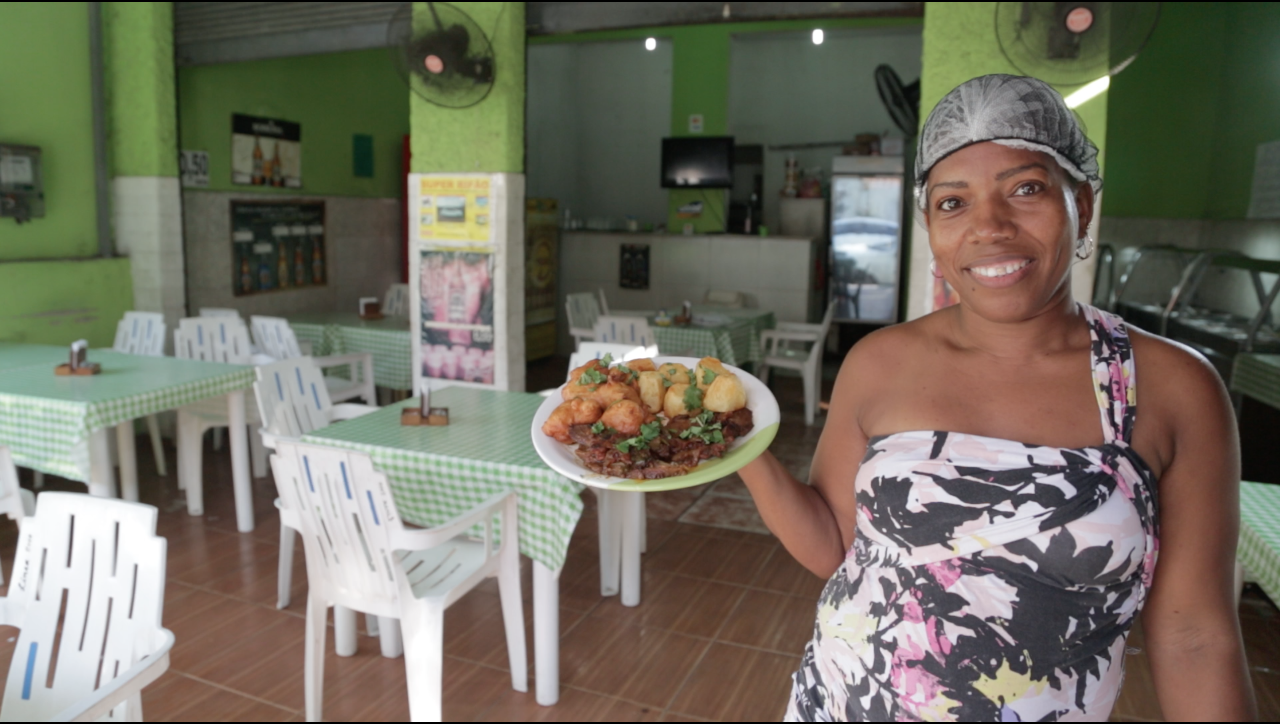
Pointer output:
x,y
652,425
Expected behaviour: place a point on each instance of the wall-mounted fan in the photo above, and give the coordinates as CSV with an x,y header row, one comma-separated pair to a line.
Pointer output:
x,y
1071,43
901,101
442,54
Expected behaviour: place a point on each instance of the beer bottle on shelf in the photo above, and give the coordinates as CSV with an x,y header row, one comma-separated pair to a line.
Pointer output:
x,y
282,267
317,265
299,266
256,179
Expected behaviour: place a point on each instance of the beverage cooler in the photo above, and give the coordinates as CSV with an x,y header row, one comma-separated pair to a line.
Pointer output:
x,y
866,238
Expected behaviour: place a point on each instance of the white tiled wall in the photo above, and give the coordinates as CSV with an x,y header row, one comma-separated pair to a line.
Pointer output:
x,y
362,251
775,272
147,216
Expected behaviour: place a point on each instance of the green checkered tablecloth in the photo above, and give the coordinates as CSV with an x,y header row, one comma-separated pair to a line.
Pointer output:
x,y
387,339
735,343
46,419
438,473
16,356
1258,376
1259,549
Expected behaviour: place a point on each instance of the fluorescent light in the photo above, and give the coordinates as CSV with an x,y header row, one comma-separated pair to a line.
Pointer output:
x,y
817,36
650,43
1088,92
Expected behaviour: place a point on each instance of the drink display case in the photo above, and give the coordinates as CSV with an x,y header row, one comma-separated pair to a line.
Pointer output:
x,y
866,237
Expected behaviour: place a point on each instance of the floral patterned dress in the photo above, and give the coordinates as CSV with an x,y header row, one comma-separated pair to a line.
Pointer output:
x,y
989,580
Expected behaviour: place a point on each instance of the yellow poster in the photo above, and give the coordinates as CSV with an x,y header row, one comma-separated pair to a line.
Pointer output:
x,y
454,208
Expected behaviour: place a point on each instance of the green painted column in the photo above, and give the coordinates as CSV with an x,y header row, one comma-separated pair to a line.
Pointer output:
x,y
489,136
703,89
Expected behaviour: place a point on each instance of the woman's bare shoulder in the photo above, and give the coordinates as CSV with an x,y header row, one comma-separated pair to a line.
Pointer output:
x,y
892,349
1165,366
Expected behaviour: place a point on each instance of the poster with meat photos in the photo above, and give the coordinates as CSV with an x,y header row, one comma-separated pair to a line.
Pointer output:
x,y
457,314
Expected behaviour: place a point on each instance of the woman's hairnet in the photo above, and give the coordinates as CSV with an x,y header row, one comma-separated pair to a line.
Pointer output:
x,y
1010,110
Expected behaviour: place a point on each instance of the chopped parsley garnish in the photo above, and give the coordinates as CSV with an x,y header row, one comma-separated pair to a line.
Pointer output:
x,y
709,434
593,376
631,374
648,432
597,428
607,359
692,398
708,376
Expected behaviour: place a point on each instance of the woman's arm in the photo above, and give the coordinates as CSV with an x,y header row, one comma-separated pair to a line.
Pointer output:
x,y
1190,621
815,522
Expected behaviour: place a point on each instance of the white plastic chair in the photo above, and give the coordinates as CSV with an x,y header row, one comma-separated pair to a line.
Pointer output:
x,y
623,330
582,310
87,600
143,333
777,350
276,339
15,501
396,301
362,557
725,298
211,339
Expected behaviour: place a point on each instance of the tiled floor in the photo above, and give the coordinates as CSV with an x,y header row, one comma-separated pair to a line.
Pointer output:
x,y
725,615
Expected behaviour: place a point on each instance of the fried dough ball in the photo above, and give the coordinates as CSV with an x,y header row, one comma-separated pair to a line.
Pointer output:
x,y
611,392
674,402
651,390
573,389
715,366
675,373
625,416
644,364
578,411
725,394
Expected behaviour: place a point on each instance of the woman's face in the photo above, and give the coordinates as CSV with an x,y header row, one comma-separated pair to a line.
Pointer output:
x,y
1003,224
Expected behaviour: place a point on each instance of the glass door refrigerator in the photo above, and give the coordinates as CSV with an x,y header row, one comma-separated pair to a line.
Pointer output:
x,y
866,238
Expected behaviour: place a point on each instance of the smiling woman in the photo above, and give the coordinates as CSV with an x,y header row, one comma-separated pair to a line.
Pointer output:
x,y
984,495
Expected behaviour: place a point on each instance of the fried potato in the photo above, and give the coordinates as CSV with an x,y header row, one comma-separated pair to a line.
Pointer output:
x,y
578,411
725,394
611,392
644,364
625,416
674,403
675,373
715,366
651,390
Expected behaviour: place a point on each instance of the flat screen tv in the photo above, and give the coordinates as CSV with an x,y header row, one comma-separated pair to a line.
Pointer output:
x,y
700,162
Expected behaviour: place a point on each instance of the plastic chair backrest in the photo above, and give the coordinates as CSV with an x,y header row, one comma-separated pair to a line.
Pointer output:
x,y
219,312
583,310
141,333
588,350
623,330
396,302
292,398
275,337
815,354
604,302
87,595
725,298
212,339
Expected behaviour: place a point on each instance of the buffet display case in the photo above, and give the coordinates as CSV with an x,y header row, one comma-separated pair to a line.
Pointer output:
x,y
1151,276
1224,307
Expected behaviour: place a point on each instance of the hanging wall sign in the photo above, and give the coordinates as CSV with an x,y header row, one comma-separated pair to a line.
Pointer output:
x,y
266,152
453,209
277,245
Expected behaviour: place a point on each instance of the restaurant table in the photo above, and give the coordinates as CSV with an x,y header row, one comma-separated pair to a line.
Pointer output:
x,y
735,343
387,339
1258,552
437,473
58,424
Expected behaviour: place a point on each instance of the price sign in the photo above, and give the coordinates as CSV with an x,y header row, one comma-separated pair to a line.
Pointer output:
x,y
194,166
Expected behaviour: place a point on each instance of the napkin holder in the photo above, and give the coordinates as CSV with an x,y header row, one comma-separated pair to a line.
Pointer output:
x,y
77,365
370,308
425,414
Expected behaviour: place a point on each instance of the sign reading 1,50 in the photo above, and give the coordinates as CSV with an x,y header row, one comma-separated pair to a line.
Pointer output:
x,y
194,166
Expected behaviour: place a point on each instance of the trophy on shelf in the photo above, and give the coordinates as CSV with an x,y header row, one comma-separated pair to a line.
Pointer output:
x,y
425,414
78,364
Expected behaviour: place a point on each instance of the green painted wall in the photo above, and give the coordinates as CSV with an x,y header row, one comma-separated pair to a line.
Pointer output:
x,y
700,84
142,122
58,302
1248,107
960,43
489,136
333,96
45,101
